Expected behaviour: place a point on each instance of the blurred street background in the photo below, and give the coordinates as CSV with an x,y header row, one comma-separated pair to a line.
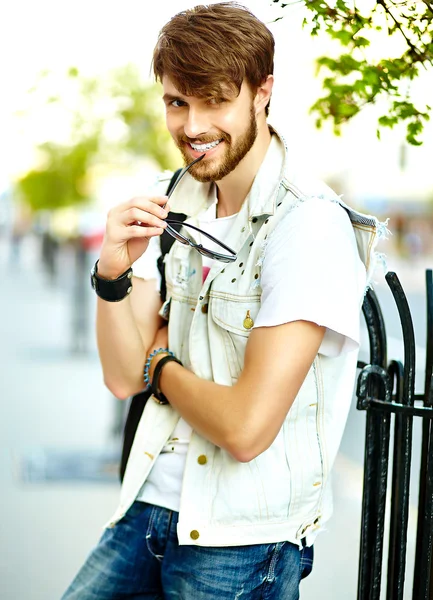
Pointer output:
x,y
82,129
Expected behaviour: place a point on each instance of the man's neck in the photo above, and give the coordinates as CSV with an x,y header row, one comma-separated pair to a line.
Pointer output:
x,y
233,189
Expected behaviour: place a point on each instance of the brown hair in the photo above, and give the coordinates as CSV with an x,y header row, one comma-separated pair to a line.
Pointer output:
x,y
207,49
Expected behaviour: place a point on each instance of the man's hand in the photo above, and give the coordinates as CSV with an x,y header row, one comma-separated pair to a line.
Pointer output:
x,y
129,227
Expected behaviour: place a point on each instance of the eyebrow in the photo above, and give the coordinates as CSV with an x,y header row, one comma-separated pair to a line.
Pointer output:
x,y
169,98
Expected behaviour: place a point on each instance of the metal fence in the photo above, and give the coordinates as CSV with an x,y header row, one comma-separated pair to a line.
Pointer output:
x,y
385,389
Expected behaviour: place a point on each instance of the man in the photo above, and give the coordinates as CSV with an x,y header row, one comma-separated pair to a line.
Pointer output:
x,y
227,484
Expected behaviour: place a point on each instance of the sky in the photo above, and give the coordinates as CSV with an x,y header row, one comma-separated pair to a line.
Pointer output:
x,y
96,35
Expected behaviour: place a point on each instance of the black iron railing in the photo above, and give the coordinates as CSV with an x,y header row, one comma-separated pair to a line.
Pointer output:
x,y
385,389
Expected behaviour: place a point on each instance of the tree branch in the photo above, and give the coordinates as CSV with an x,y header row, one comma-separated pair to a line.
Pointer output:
x,y
400,28
429,5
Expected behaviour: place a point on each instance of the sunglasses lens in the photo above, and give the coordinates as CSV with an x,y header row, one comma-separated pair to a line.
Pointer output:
x,y
204,252
177,236
215,255
181,239
225,258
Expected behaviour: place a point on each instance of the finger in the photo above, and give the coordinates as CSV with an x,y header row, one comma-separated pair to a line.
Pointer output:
x,y
155,205
139,231
135,216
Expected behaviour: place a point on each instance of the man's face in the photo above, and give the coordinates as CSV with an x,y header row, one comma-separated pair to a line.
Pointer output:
x,y
224,129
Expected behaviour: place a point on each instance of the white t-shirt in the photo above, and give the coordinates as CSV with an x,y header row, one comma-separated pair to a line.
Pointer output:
x,y
163,485
311,271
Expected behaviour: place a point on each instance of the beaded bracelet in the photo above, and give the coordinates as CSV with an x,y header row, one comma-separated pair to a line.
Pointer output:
x,y
149,360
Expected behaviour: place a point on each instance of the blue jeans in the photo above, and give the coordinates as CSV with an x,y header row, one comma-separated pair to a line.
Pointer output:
x,y
140,558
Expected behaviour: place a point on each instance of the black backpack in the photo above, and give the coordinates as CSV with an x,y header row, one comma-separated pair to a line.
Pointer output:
x,y
138,401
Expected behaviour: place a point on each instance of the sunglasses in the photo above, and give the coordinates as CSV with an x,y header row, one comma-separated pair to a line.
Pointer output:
x,y
229,256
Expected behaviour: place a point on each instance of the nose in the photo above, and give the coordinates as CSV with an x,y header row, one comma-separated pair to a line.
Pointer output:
x,y
197,123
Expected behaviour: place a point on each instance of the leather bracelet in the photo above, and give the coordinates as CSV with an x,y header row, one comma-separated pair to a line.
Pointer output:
x,y
111,290
158,395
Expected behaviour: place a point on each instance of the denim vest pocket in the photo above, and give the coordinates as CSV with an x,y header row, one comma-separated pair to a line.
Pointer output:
x,y
235,317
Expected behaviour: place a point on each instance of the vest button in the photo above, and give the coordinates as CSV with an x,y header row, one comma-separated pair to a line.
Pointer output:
x,y
205,308
194,535
248,321
202,459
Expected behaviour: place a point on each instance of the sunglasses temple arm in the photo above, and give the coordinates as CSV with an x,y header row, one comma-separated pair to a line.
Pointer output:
x,y
215,255
208,235
181,174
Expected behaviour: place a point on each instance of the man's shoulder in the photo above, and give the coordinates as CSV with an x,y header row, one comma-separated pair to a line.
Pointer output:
x,y
310,186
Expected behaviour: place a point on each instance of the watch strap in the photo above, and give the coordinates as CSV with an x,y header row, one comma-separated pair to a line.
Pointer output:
x,y
111,290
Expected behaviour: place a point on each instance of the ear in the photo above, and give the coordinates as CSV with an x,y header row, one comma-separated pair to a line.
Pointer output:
x,y
263,94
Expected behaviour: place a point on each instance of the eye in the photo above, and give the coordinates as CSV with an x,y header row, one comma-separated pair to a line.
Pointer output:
x,y
178,103
216,101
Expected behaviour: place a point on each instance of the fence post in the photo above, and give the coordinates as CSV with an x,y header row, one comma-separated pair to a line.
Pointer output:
x,y
384,390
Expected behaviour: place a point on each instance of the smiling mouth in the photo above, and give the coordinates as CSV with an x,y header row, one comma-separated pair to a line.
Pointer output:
x,y
205,147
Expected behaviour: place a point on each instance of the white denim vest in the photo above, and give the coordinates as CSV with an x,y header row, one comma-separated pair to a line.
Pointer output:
x,y
283,494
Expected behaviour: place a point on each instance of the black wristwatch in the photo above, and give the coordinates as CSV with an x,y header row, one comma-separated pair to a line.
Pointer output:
x,y
111,290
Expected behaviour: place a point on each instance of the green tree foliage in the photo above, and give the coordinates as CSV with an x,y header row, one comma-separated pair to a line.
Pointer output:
x,y
89,107
63,180
353,79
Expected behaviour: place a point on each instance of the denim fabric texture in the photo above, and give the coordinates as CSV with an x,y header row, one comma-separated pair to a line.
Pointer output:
x,y
140,558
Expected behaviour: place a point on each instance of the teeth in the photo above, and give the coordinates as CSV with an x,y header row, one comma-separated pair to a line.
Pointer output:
x,y
204,147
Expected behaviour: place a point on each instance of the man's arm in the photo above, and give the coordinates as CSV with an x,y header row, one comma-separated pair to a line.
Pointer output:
x,y
245,418
125,331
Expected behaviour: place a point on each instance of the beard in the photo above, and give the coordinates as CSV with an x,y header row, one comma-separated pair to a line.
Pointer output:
x,y
216,169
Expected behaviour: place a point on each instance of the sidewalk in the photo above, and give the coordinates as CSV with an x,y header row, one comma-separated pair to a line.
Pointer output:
x,y
56,400
49,399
